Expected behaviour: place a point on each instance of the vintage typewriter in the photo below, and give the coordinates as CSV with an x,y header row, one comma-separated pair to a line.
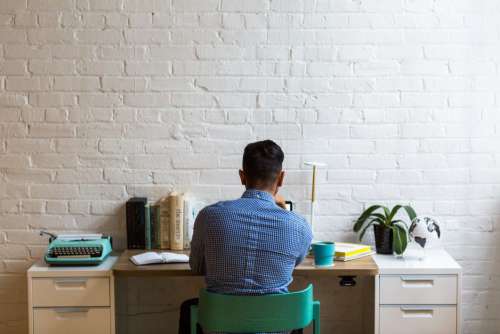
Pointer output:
x,y
77,249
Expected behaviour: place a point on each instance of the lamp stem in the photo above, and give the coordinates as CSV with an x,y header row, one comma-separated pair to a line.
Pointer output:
x,y
313,198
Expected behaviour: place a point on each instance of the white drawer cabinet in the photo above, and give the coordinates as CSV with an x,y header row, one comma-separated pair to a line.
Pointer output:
x,y
418,296
418,289
429,319
71,291
74,320
74,300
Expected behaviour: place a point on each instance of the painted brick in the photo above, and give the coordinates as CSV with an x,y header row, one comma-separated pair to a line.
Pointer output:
x,y
147,68
76,84
26,51
99,36
51,131
79,207
54,191
49,35
152,36
163,53
56,207
128,177
52,67
13,67
244,6
12,36
146,5
15,145
103,100
195,6
27,84
102,191
100,67
123,84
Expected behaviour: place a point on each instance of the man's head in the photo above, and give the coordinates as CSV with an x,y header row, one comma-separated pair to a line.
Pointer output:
x,y
262,166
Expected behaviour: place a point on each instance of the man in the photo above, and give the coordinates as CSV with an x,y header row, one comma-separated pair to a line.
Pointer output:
x,y
251,245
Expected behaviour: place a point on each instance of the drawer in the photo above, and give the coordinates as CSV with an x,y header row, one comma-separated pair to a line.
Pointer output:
x,y
418,319
418,289
71,291
74,320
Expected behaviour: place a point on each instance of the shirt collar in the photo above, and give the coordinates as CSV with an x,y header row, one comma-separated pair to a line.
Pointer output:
x,y
259,194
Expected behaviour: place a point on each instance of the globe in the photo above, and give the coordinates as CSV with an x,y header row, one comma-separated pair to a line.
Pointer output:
x,y
424,229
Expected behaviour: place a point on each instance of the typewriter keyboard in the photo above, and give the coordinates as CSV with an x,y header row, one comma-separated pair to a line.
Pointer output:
x,y
75,252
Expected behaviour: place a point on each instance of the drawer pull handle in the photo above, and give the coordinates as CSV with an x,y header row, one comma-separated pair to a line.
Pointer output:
x,y
417,312
417,281
72,310
70,283
417,278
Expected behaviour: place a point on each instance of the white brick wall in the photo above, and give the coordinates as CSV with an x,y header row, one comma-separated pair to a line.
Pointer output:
x,y
101,100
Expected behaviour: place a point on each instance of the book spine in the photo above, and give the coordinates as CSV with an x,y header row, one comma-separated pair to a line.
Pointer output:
x,y
176,210
135,222
187,216
191,209
164,224
147,219
155,226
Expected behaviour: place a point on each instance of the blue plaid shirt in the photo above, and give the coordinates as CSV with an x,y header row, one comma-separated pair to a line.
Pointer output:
x,y
248,246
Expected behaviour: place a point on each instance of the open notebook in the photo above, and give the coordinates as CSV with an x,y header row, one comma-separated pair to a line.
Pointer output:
x,y
155,258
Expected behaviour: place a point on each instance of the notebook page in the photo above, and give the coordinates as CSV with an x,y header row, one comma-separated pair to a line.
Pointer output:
x,y
174,257
146,258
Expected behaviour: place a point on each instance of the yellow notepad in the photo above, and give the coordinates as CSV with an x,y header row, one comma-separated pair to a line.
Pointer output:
x,y
346,250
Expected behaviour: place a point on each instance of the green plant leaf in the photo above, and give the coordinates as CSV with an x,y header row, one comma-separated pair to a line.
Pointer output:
x,y
411,213
400,239
382,217
394,211
379,215
386,211
401,223
365,227
364,216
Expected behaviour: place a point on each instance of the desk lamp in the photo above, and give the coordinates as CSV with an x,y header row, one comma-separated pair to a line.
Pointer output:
x,y
315,166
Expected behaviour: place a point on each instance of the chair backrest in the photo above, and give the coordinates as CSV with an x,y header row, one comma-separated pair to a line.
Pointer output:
x,y
251,314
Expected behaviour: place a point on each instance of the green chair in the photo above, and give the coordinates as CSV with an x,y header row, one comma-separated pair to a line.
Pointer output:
x,y
254,314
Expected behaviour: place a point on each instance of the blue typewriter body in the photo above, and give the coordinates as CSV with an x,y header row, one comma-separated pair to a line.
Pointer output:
x,y
78,252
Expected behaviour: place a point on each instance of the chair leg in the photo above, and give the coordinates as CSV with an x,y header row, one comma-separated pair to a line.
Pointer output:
x,y
194,318
316,319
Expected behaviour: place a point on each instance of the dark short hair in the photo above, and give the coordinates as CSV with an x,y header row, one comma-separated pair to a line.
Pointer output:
x,y
262,162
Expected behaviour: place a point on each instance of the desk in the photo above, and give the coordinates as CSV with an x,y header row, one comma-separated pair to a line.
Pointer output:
x,y
360,267
148,297
421,296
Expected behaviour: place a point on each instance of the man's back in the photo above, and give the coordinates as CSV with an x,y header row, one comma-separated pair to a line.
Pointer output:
x,y
249,245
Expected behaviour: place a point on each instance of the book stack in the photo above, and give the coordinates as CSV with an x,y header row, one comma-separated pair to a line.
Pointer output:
x,y
166,224
346,251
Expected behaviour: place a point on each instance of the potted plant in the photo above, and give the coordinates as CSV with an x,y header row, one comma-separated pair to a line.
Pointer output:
x,y
391,234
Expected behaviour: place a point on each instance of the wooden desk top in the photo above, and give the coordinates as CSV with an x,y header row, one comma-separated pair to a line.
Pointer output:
x,y
360,267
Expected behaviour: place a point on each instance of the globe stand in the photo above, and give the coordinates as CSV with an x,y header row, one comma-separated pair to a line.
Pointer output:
x,y
422,254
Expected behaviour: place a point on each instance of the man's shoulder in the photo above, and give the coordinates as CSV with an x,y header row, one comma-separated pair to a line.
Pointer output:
x,y
237,206
292,216
296,219
217,208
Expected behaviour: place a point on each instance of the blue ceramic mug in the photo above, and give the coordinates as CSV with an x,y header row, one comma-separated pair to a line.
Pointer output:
x,y
324,253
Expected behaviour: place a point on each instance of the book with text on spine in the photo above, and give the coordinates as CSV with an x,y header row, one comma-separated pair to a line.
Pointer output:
x,y
164,224
191,209
176,217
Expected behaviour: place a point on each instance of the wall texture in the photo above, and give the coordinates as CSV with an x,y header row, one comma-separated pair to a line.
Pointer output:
x,y
101,100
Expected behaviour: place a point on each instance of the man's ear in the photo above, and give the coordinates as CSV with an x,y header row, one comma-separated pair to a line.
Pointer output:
x,y
281,177
243,177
